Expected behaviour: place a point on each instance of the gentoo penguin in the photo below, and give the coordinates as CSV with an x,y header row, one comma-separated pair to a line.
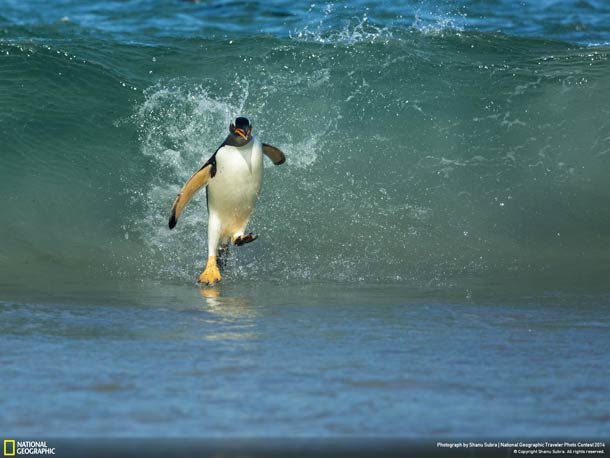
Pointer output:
x,y
233,176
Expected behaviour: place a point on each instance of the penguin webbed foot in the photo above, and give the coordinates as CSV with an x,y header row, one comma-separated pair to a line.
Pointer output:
x,y
243,239
211,274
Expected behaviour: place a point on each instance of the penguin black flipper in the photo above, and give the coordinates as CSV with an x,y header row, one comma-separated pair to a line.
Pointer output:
x,y
273,153
194,184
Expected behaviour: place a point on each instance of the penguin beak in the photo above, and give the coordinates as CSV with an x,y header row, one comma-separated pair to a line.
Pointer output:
x,y
241,133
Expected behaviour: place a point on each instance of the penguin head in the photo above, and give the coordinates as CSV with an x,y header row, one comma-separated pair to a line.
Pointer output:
x,y
241,130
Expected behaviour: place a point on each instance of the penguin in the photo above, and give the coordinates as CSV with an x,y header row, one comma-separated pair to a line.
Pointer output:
x,y
233,177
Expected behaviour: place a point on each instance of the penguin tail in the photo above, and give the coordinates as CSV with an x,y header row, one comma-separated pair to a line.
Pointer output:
x,y
223,257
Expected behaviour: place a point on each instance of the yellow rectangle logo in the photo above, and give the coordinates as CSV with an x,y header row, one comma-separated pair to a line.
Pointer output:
x,y
9,447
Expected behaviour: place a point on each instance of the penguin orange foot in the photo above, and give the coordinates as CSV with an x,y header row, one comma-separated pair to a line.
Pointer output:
x,y
243,239
211,274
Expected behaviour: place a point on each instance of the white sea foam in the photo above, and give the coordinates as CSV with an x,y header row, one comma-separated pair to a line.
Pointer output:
x,y
356,30
435,24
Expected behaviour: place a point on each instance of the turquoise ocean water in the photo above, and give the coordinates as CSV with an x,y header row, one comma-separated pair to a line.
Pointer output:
x,y
433,259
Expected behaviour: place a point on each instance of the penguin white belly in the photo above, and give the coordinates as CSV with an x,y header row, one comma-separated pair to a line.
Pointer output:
x,y
233,191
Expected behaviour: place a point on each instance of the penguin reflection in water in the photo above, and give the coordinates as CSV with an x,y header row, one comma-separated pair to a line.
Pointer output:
x,y
233,176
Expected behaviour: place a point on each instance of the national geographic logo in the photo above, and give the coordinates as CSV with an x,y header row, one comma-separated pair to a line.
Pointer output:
x,y
13,447
9,447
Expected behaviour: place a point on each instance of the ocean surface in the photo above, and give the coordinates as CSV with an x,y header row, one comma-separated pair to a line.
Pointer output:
x,y
433,258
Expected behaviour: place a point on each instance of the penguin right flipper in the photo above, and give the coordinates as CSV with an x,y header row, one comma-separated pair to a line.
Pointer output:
x,y
273,153
194,184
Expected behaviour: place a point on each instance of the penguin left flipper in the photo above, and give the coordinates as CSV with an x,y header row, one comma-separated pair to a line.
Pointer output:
x,y
273,153
194,184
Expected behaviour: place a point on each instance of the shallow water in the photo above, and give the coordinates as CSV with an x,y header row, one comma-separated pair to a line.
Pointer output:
x,y
265,360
